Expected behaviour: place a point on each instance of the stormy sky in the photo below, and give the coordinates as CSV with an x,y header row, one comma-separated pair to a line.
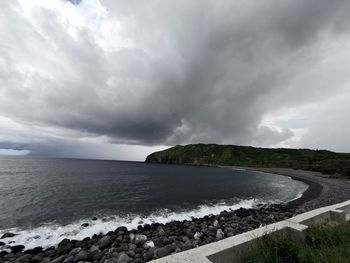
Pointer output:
x,y
120,79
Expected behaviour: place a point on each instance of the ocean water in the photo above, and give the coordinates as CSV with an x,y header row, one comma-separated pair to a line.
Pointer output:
x,y
46,200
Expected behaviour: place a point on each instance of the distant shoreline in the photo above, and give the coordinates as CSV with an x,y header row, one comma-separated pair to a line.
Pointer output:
x,y
313,191
323,190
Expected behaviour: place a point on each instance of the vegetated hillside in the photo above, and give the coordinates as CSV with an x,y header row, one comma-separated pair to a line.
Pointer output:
x,y
212,154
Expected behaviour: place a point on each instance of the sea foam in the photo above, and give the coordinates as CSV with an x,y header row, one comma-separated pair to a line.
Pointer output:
x,y
51,234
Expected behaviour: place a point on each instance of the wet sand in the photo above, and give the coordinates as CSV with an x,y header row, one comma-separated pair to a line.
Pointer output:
x,y
323,189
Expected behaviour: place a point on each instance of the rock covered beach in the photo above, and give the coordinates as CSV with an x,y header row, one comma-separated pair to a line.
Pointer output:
x,y
149,241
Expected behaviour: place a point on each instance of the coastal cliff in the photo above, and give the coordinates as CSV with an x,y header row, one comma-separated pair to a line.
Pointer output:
x,y
327,162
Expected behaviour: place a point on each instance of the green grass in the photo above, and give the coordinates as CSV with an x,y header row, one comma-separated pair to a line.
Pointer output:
x,y
323,244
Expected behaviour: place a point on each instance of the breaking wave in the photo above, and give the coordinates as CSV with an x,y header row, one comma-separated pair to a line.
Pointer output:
x,y
51,234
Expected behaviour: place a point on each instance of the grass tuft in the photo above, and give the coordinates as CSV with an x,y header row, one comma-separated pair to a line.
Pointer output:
x,y
323,244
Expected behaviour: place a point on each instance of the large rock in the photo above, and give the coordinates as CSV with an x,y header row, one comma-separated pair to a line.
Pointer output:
x,y
23,259
75,251
17,248
6,235
99,255
121,229
37,258
216,223
132,247
122,247
148,255
163,251
36,250
131,253
3,253
148,244
132,237
65,249
81,256
197,235
93,248
104,242
140,239
60,259
49,252
69,259
219,234
123,258
161,232
64,242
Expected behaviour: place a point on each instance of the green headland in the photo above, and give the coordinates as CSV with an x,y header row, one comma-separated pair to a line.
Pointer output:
x,y
327,162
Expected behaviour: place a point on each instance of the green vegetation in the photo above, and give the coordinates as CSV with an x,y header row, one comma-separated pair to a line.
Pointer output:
x,y
323,244
212,154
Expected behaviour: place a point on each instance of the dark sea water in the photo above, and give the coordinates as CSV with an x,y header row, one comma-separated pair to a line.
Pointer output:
x,y
46,200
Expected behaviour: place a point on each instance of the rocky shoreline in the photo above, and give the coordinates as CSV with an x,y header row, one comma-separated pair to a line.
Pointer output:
x,y
153,241
149,242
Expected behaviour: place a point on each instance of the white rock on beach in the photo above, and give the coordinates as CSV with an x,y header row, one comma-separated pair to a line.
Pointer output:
x,y
140,239
132,237
216,223
219,234
148,244
197,235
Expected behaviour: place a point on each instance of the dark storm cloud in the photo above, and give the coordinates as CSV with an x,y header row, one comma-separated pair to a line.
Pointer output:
x,y
177,72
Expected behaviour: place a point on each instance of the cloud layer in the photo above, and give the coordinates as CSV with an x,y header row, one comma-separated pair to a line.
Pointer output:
x,y
159,73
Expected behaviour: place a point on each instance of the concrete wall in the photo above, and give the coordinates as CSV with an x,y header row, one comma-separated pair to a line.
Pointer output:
x,y
231,249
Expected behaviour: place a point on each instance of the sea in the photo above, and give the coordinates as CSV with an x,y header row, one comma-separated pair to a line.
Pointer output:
x,y
45,200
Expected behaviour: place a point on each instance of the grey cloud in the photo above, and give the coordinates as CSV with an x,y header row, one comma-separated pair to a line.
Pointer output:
x,y
9,145
269,137
303,22
203,71
329,127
